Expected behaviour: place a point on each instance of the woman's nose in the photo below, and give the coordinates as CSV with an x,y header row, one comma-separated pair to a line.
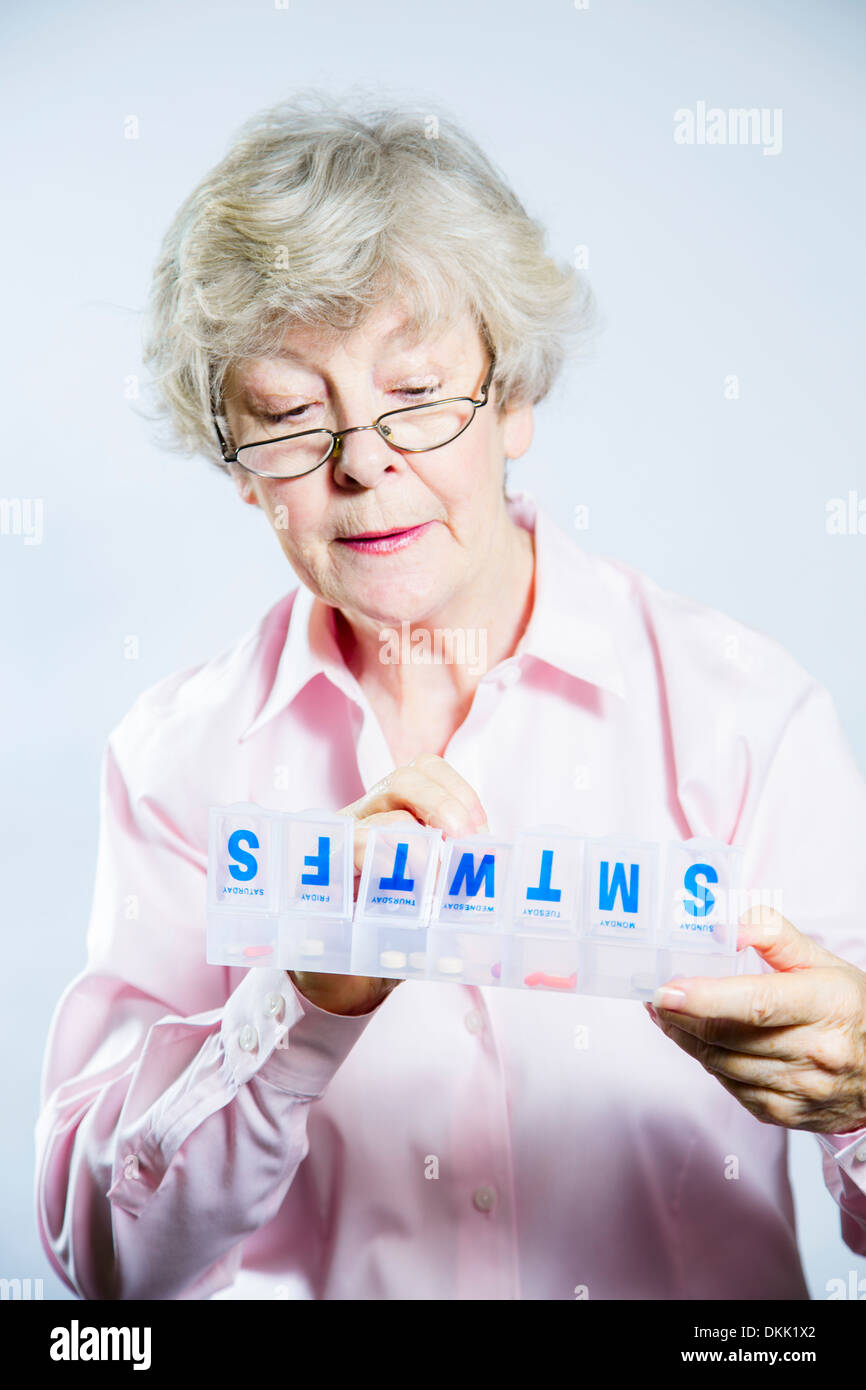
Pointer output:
x,y
362,456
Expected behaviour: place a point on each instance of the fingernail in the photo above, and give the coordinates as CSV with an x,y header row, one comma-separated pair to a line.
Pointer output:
x,y
669,998
652,1013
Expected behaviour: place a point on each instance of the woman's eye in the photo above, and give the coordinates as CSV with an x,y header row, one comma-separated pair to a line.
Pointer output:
x,y
297,413
418,390
293,414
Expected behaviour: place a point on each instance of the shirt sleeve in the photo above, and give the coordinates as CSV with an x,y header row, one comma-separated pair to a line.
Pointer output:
x,y
175,1095
807,842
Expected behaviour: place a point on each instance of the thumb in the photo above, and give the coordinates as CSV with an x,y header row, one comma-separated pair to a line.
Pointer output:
x,y
778,941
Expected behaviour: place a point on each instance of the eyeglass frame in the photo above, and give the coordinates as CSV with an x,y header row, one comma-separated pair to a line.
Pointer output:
x,y
337,435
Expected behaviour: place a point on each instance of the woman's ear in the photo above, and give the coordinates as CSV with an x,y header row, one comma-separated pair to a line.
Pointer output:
x,y
519,426
245,485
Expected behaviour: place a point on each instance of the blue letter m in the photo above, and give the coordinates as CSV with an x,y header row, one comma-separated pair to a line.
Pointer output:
x,y
608,890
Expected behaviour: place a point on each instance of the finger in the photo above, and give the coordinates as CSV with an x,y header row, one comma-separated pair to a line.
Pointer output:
x,y
761,1001
438,770
430,800
776,1096
783,1043
441,771
770,1107
779,942
765,1073
378,818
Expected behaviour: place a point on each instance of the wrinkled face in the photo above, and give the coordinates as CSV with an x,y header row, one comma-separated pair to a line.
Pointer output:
x,y
443,509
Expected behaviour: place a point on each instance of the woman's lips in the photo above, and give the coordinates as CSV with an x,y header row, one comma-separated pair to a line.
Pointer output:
x,y
384,544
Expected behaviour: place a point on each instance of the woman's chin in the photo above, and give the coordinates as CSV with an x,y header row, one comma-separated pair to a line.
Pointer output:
x,y
392,615
391,603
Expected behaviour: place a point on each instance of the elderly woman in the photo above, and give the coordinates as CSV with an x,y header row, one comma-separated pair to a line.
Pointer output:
x,y
257,1132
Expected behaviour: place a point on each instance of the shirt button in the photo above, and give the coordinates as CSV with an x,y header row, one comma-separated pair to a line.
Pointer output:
x,y
484,1198
248,1039
860,1154
275,1006
474,1022
510,675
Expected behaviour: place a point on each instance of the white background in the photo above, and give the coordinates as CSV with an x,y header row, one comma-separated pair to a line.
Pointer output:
x,y
707,262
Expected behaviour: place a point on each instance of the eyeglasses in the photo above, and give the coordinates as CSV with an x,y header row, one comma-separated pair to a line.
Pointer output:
x,y
413,430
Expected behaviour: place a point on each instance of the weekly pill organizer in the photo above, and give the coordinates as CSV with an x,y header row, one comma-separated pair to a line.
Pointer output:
x,y
548,910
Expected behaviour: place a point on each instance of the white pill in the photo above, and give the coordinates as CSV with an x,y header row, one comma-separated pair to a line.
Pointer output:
x,y
450,965
417,960
643,984
312,947
393,960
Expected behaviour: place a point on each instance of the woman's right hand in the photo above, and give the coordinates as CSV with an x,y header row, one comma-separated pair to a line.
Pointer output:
x,y
427,791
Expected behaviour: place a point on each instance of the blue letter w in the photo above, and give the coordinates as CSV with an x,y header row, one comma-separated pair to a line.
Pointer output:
x,y
466,872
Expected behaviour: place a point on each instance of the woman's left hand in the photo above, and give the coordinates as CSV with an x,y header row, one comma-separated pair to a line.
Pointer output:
x,y
791,1046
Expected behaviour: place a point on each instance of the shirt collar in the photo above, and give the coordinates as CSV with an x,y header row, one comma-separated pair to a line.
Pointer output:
x,y
310,649
570,627
574,615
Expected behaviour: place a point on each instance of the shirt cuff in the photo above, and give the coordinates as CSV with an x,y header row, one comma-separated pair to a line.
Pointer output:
x,y
849,1153
269,1030
305,1044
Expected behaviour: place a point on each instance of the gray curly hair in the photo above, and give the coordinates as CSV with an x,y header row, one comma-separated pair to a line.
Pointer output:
x,y
319,212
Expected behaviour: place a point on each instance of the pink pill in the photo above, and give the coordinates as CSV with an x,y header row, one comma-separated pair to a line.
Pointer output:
x,y
551,981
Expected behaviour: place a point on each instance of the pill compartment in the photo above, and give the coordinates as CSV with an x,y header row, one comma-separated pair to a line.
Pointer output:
x,y
547,881
542,962
243,860
620,890
315,943
465,957
700,901
714,965
472,887
318,866
240,938
389,951
618,969
398,875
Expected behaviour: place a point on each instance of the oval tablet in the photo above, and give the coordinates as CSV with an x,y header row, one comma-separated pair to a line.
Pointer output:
x,y
393,960
450,965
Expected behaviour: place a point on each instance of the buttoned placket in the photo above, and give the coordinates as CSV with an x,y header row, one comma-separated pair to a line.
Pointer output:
x,y
484,1183
462,749
487,1230
487,1254
372,753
